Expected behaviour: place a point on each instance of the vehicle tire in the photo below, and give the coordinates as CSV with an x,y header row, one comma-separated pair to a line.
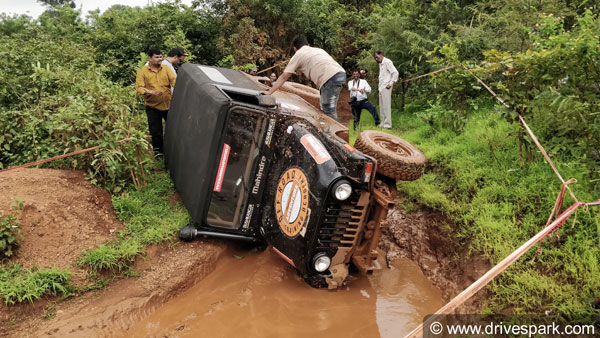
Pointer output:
x,y
396,158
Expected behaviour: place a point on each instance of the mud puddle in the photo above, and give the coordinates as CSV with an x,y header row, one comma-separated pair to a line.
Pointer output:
x,y
259,295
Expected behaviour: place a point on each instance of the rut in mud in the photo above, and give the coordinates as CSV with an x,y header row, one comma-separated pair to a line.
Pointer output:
x,y
185,288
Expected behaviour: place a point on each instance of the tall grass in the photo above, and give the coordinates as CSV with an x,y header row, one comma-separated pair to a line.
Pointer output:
x,y
148,217
476,178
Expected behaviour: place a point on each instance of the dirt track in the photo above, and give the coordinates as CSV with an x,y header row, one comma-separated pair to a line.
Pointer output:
x,y
64,214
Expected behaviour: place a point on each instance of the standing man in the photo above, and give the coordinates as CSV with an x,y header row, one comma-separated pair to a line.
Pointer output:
x,y
154,82
320,68
388,75
174,59
358,97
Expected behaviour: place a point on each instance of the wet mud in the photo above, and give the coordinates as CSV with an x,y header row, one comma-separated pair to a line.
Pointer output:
x,y
259,295
213,288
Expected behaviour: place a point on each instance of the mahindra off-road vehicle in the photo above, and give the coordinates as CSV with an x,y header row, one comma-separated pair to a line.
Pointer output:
x,y
276,170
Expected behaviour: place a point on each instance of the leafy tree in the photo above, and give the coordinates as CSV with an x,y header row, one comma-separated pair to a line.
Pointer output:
x,y
54,3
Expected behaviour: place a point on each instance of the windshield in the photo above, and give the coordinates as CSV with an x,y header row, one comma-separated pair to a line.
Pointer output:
x,y
237,158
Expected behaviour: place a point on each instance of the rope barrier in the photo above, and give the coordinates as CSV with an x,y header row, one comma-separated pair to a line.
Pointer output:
x,y
524,124
431,73
496,270
539,237
57,157
276,65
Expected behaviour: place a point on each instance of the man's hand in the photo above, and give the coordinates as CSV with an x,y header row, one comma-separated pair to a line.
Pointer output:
x,y
153,93
362,91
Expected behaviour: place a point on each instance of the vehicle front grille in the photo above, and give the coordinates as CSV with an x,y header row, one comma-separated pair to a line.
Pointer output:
x,y
342,222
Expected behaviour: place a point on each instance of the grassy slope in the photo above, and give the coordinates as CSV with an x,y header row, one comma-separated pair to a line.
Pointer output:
x,y
477,180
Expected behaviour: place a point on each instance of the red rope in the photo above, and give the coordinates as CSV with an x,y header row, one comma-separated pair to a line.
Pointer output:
x,y
57,157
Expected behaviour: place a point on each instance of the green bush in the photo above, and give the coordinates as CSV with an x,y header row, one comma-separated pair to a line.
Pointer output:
x,y
10,234
18,285
114,256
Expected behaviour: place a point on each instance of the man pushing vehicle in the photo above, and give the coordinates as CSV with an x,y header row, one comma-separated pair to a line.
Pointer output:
x,y
320,68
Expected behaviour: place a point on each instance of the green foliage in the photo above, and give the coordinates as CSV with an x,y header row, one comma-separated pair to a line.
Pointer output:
x,y
56,100
18,285
122,32
148,217
114,256
476,179
10,234
555,86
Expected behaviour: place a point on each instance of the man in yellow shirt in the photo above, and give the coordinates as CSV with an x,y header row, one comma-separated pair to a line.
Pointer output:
x,y
154,82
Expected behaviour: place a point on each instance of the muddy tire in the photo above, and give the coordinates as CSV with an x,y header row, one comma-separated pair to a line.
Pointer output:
x,y
396,158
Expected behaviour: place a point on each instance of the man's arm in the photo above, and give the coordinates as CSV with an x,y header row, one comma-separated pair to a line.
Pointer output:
x,y
140,84
172,77
367,87
393,72
280,81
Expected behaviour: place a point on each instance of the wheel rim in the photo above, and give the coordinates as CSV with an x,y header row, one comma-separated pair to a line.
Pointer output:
x,y
392,146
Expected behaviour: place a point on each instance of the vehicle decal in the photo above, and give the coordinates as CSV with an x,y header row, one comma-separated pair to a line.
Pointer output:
x,y
315,148
270,132
222,167
303,231
248,216
214,74
259,175
291,201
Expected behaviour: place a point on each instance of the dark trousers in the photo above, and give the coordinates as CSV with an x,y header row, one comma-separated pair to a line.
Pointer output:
x,y
155,127
357,108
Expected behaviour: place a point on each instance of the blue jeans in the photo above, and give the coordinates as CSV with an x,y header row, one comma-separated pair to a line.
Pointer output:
x,y
357,108
330,93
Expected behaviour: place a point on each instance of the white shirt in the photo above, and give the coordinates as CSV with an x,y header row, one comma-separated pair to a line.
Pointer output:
x,y
387,73
170,65
362,84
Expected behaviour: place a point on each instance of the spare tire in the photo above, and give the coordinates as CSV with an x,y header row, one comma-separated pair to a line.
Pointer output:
x,y
396,158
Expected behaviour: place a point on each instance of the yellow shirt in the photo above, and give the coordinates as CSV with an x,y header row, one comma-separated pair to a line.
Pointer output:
x,y
162,80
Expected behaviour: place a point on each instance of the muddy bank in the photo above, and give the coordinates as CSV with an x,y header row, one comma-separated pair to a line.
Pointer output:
x,y
423,238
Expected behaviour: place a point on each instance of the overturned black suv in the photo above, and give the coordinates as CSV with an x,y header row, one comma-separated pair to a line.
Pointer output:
x,y
274,169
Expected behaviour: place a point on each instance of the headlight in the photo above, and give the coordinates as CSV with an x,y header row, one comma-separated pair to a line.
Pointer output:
x,y
342,190
321,262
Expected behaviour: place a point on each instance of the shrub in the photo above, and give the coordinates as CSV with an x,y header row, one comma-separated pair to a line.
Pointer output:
x,y
18,285
10,234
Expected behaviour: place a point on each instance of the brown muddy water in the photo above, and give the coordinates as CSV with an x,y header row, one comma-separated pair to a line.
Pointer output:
x,y
259,295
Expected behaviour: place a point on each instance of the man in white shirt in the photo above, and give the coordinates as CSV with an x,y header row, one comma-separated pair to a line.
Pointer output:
x,y
320,68
388,75
359,89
